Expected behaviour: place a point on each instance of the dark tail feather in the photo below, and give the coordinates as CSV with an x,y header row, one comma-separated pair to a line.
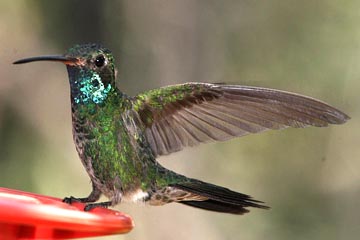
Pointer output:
x,y
217,206
219,199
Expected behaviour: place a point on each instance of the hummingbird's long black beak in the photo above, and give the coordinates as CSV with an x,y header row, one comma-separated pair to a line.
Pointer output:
x,y
63,59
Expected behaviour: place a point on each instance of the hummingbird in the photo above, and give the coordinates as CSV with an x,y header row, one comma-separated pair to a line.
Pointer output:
x,y
119,137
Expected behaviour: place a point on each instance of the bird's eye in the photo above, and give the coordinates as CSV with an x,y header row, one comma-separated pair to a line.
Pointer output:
x,y
100,61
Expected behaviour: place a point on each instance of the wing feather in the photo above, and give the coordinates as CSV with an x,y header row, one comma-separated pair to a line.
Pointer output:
x,y
188,114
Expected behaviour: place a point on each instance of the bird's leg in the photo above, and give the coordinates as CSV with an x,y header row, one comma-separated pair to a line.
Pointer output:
x,y
90,206
93,197
113,201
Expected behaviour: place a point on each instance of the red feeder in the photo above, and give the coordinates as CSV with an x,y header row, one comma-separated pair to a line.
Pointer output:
x,y
31,216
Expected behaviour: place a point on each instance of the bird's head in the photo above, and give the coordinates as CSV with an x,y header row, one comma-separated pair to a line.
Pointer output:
x,y
91,72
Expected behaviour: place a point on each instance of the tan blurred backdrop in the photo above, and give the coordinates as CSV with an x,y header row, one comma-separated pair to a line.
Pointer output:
x,y
310,177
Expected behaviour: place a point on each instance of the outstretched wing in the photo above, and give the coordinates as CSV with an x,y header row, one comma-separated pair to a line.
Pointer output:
x,y
188,114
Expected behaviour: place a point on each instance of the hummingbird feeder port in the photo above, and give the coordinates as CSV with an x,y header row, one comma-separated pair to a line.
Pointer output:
x,y
26,215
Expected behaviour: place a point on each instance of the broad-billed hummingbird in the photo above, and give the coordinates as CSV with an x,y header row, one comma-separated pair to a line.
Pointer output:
x,y
119,137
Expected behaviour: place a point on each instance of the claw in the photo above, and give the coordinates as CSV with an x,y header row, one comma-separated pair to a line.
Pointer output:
x,y
72,199
90,206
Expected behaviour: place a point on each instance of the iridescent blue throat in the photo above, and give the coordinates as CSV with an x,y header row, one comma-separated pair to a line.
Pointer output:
x,y
86,86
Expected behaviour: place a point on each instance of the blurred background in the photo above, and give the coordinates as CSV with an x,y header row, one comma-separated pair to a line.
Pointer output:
x,y
310,177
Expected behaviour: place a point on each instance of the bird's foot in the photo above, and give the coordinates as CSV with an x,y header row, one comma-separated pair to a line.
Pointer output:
x,y
72,199
93,197
90,206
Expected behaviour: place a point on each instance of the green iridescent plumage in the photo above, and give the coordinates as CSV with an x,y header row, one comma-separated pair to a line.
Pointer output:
x,y
119,137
